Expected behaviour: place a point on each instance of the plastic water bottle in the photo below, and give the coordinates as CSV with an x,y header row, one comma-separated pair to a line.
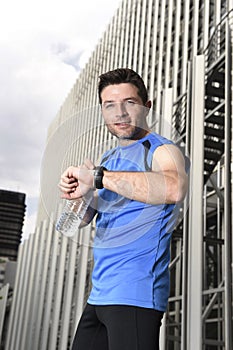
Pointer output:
x,y
72,215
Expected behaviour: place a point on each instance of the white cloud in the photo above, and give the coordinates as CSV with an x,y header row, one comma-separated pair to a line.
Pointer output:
x,y
43,46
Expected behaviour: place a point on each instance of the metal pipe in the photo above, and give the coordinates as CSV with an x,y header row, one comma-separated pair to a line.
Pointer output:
x,y
227,204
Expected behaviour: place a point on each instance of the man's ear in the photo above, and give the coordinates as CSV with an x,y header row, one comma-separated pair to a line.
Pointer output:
x,y
148,107
148,104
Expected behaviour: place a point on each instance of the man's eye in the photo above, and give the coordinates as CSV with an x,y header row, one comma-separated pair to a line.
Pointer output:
x,y
130,102
109,106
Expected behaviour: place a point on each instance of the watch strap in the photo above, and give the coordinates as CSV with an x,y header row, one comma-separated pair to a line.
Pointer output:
x,y
98,176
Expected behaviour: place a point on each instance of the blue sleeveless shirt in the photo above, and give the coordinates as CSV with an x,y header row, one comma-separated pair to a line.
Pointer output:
x,y
132,243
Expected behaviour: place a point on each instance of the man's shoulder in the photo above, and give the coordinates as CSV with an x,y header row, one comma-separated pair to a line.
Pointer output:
x,y
153,140
158,139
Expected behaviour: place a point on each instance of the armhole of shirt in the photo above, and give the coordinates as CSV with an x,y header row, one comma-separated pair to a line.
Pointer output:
x,y
147,155
149,151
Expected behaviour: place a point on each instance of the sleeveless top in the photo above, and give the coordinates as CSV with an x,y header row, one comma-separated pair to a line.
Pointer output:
x,y
132,243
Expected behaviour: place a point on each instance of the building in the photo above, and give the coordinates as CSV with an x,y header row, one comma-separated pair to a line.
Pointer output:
x,y
183,50
12,211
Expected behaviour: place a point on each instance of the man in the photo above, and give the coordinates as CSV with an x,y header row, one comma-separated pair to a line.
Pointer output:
x,y
140,185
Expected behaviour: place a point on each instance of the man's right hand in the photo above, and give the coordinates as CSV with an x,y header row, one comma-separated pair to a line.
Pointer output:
x,y
76,182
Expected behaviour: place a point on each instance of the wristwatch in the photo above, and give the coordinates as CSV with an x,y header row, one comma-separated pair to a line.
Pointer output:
x,y
98,176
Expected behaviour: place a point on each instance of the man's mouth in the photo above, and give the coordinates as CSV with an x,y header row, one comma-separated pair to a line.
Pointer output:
x,y
122,123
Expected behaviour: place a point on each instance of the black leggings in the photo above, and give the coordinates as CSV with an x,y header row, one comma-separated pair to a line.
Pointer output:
x,y
118,327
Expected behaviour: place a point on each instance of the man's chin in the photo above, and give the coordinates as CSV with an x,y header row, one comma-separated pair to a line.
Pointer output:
x,y
138,134
130,135
122,135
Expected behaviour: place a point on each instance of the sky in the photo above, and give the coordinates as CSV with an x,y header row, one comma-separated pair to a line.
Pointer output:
x,y
43,47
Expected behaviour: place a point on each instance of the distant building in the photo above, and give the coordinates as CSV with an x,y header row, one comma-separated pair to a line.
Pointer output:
x,y
12,211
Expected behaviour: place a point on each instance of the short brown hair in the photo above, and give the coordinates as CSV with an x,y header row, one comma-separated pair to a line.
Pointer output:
x,y
121,76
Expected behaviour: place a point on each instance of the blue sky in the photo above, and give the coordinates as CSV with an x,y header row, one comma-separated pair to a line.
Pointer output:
x,y
43,47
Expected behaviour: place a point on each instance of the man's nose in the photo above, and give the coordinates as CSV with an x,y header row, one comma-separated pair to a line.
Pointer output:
x,y
121,109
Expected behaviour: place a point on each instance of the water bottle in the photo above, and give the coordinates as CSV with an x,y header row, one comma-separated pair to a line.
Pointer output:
x,y
72,215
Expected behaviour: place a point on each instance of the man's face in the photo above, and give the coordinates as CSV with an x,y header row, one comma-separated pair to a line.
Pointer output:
x,y
124,112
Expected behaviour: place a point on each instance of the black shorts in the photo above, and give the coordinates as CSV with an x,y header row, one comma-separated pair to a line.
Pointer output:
x,y
118,327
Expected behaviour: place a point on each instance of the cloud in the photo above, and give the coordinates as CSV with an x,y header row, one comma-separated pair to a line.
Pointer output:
x,y
43,47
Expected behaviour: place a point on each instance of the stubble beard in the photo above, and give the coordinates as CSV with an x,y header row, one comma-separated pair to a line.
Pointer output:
x,y
133,135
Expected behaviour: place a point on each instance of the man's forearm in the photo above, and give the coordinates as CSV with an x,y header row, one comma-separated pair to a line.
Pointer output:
x,y
148,187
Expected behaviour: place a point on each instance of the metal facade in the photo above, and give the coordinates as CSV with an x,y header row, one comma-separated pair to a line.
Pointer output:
x,y
183,50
